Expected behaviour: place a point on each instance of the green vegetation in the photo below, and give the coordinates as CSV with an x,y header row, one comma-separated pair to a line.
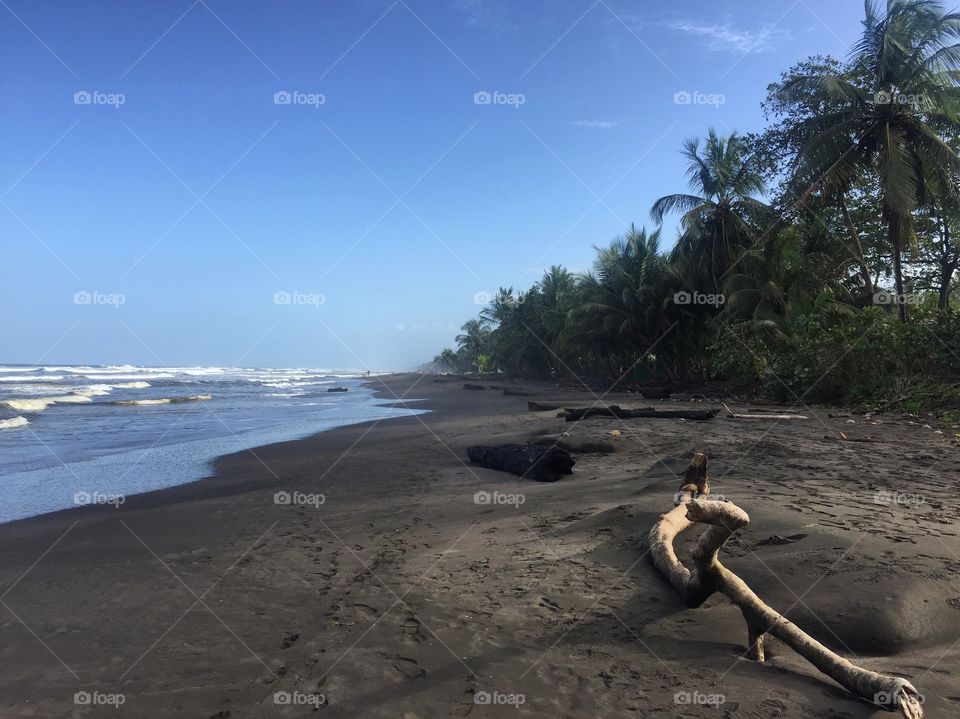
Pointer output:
x,y
816,260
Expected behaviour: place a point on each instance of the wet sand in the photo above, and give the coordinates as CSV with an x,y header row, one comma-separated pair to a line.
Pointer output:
x,y
402,596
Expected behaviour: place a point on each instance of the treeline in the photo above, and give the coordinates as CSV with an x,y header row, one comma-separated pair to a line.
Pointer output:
x,y
816,260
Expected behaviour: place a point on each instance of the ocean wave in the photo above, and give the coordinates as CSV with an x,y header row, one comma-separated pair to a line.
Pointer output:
x,y
18,369
162,400
38,404
132,385
14,422
160,375
35,378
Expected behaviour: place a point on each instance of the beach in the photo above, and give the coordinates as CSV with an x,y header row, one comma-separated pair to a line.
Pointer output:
x,y
372,571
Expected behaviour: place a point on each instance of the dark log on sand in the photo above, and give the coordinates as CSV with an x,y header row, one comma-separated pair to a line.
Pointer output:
x,y
575,445
617,412
474,386
537,407
533,462
515,393
338,389
655,393
709,576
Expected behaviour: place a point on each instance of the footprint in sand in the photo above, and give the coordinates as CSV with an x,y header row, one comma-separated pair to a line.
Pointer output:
x,y
289,640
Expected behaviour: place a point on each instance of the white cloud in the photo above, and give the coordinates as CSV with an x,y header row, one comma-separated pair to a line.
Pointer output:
x,y
727,38
598,124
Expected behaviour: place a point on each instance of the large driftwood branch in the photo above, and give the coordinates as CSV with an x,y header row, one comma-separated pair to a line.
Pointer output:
x,y
616,411
709,576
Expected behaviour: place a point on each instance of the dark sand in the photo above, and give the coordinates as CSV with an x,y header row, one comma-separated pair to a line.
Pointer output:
x,y
402,597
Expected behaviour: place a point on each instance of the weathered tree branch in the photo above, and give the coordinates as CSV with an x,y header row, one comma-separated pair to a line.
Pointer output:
x,y
709,576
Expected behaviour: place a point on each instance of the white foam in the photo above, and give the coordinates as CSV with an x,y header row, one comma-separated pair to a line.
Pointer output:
x,y
14,422
38,404
95,376
19,369
37,378
162,400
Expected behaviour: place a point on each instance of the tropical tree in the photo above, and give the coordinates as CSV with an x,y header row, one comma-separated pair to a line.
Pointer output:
x,y
722,217
907,60
474,341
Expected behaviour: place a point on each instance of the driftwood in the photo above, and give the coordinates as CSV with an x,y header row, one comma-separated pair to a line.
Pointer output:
x,y
655,392
766,416
574,445
515,393
537,407
338,389
474,386
531,461
616,411
709,576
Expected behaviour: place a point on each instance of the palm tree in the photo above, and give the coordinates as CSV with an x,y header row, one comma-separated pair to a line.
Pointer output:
x,y
722,218
474,340
907,58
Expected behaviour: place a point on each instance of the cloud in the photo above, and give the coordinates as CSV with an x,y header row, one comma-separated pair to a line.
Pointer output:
x,y
727,38
597,124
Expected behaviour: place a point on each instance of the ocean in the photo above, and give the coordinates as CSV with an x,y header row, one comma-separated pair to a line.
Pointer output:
x,y
72,435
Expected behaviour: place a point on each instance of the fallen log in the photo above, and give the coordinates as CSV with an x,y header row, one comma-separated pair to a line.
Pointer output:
x,y
537,407
474,386
615,411
338,389
655,393
574,445
541,464
515,393
749,415
709,576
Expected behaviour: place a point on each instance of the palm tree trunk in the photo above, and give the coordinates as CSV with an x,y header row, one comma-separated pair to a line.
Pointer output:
x,y
895,238
855,238
948,265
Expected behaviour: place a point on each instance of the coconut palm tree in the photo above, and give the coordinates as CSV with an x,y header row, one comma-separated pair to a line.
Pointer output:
x,y
907,58
474,341
722,217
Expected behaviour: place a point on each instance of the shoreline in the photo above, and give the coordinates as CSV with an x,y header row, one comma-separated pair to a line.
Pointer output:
x,y
400,592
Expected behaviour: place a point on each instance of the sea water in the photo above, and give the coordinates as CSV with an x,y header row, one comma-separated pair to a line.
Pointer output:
x,y
70,435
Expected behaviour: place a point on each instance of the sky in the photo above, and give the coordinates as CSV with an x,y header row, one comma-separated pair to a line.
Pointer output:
x,y
334,183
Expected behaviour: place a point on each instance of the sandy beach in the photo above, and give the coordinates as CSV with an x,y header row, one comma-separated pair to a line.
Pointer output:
x,y
357,573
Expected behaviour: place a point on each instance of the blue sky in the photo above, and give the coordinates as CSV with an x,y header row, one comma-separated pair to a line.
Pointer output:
x,y
163,204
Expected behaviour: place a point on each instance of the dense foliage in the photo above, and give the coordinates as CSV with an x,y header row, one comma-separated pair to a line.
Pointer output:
x,y
816,259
